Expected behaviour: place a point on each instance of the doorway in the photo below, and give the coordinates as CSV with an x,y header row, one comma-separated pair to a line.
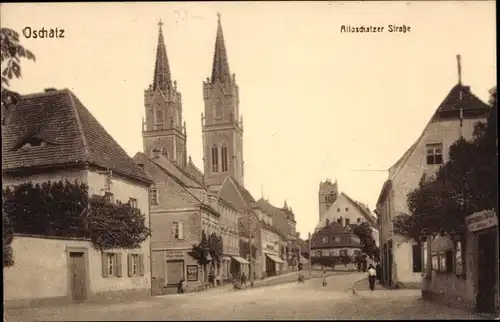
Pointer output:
x,y
487,277
77,276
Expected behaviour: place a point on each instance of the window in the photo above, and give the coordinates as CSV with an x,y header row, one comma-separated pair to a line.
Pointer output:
x,y
347,221
346,209
337,239
332,254
417,258
318,253
218,109
177,230
134,265
435,261
215,159
442,262
339,221
132,202
158,116
153,195
324,239
459,259
358,220
434,153
343,252
224,158
111,264
109,197
338,209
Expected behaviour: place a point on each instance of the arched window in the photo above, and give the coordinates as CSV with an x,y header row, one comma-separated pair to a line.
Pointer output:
x,y
158,116
224,158
218,109
215,159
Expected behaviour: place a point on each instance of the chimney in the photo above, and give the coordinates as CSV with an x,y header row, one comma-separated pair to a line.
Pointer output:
x,y
50,90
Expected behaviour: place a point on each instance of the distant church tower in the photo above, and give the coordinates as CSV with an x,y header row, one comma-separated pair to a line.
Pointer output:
x,y
163,129
328,193
221,124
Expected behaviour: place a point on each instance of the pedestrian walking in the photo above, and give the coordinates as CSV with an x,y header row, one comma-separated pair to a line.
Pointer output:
x,y
243,280
324,278
372,274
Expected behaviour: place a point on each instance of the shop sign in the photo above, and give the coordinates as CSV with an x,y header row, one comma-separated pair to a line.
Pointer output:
x,y
481,220
174,255
192,273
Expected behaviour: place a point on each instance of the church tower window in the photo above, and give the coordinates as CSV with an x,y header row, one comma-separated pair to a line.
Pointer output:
x,y
215,159
158,116
224,158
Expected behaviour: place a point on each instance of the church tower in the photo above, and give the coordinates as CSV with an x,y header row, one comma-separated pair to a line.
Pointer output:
x,y
221,124
328,193
163,130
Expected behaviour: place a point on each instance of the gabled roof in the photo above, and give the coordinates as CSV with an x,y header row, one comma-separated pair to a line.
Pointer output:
x,y
187,179
72,134
171,175
459,97
279,217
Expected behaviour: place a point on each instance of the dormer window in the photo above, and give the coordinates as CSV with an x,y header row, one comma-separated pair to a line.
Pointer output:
x,y
33,142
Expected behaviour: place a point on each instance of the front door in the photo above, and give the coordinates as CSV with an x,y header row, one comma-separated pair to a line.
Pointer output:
x,y
77,274
487,279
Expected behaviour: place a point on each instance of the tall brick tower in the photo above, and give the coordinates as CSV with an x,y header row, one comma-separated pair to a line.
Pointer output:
x,y
222,126
163,128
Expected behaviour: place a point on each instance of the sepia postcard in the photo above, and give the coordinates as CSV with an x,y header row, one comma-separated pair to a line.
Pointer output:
x,y
249,160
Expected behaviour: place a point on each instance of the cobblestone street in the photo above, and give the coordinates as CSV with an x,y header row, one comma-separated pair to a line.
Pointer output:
x,y
284,301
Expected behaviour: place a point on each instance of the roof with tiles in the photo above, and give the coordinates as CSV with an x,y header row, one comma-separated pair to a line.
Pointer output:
x,y
70,135
363,210
459,97
279,217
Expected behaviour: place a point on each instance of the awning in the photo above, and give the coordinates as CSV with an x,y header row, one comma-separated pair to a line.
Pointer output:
x,y
226,258
240,260
275,258
303,260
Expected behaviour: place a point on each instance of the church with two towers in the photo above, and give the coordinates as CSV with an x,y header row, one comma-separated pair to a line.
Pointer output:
x,y
187,202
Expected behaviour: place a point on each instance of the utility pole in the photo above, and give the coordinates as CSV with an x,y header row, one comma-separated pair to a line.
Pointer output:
x,y
310,257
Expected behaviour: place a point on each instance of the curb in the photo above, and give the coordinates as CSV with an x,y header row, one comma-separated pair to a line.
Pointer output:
x,y
354,285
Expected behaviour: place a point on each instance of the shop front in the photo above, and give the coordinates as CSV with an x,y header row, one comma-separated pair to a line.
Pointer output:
x,y
273,264
179,265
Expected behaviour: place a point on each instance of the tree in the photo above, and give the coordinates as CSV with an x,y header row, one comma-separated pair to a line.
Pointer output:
x,y
11,52
200,252
215,247
465,184
364,232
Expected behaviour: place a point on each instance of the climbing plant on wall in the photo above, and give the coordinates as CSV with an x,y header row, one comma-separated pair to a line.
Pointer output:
x,y
64,209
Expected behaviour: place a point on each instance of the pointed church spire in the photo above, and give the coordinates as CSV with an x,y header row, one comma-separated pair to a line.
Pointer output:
x,y
220,66
162,79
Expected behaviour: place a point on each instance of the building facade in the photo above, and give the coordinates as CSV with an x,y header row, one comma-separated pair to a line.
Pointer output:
x,y
79,149
336,242
346,211
455,117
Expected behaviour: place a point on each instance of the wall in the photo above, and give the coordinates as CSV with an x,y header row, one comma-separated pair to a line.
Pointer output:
x,y
70,174
338,210
41,272
408,177
336,251
161,226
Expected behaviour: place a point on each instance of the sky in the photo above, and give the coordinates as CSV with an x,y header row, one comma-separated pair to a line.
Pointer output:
x,y
316,103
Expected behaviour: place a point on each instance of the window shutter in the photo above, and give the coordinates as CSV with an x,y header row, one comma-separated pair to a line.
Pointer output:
x,y
104,261
181,230
449,261
141,264
130,264
118,264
